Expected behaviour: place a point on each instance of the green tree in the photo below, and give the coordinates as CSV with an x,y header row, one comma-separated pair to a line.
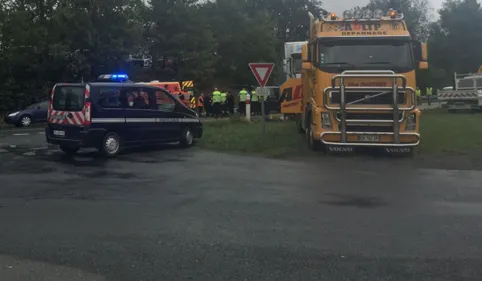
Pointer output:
x,y
415,14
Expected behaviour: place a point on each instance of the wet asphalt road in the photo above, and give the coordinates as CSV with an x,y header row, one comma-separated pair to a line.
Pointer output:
x,y
172,214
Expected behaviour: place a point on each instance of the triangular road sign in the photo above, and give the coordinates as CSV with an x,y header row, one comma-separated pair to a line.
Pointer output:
x,y
261,72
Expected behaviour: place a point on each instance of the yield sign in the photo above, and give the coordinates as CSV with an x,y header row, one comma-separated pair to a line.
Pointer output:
x,y
261,72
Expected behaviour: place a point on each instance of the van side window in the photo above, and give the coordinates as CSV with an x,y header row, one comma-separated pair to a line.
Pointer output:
x,y
137,98
164,102
110,98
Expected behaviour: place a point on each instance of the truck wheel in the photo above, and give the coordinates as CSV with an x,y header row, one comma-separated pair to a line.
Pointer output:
x,y
298,126
111,145
314,144
187,138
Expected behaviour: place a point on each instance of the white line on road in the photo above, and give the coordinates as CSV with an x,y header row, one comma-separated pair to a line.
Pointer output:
x,y
23,134
23,130
41,133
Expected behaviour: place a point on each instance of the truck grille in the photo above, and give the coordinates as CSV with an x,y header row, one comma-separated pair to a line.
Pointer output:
x,y
368,116
378,100
377,129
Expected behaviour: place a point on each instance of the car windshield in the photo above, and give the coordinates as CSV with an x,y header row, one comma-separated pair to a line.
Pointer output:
x,y
393,55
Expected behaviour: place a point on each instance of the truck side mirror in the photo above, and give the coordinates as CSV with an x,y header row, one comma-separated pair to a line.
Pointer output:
x,y
422,65
287,66
307,66
424,53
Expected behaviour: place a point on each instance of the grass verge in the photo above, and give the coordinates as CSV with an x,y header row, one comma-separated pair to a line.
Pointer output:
x,y
280,138
441,133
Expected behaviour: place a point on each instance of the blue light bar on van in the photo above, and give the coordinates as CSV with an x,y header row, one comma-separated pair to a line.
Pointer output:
x,y
114,77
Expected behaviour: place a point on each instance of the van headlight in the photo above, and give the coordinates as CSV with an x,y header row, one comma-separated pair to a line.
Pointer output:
x,y
13,114
411,123
325,120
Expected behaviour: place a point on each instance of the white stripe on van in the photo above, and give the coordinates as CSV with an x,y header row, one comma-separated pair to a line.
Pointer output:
x,y
108,120
145,120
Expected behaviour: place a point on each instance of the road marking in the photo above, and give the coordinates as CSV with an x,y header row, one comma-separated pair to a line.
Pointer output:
x,y
22,130
22,134
41,133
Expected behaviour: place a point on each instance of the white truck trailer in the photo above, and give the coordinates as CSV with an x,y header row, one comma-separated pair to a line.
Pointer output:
x,y
467,94
292,59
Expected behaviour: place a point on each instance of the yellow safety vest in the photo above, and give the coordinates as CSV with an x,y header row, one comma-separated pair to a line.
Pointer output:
x,y
429,91
254,96
223,97
216,97
418,93
242,95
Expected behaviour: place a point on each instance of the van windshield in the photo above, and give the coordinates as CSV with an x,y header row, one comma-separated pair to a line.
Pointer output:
x,y
68,98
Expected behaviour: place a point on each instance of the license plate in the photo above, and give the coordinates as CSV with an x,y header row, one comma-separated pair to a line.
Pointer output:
x,y
369,138
59,133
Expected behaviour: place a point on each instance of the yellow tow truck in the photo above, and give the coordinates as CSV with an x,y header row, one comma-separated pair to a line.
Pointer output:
x,y
358,82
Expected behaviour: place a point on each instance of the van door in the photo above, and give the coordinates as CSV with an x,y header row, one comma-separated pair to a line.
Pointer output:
x,y
108,111
168,119
66,116
140,114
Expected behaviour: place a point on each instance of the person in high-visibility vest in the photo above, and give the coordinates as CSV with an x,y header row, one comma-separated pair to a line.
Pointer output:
x,y
216,103
200,104
419,95
242,101
254,102
223,103
429,94
264,99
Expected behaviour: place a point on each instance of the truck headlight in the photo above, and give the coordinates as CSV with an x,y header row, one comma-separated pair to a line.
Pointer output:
x,y
325,120
411,123
13,114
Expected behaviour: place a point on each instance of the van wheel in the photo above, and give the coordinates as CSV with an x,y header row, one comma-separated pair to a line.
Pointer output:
x,y
69,149
111,146
187,138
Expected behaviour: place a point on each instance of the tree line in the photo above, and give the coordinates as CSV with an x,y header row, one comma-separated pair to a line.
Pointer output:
x,y
46,41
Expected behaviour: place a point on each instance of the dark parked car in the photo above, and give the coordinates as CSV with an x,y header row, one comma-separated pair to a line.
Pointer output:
x,y
35,113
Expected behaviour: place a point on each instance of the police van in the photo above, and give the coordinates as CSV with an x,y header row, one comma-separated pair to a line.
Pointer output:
x,y
110,116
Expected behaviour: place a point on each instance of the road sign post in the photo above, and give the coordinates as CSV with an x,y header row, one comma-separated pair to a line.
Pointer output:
x,y
262,72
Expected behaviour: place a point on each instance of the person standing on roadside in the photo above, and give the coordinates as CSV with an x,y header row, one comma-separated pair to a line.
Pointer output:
x,y
216,103
200,104
230,103
242,101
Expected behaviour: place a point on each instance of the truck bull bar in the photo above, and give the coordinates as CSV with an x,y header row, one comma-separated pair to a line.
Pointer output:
x,y
372,92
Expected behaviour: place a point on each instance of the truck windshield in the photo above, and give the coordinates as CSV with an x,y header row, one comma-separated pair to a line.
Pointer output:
x,y
351,54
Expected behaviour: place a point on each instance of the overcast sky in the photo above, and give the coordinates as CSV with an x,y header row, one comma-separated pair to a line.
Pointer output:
x,y
338,6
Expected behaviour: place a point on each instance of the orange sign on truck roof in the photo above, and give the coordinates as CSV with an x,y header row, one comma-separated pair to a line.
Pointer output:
x,y
363,29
